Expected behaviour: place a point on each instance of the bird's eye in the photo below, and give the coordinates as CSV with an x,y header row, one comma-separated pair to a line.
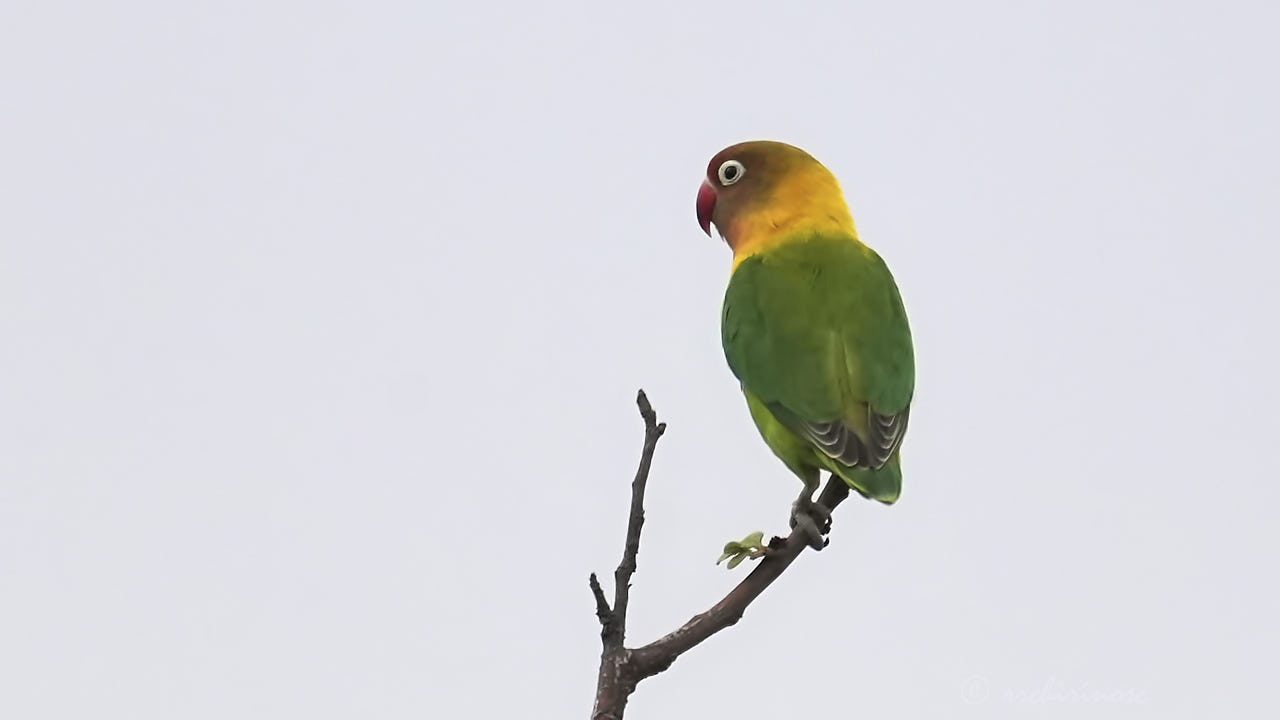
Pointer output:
x,y
731,171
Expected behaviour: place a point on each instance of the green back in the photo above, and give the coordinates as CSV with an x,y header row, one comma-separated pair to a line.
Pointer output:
x,y
816,326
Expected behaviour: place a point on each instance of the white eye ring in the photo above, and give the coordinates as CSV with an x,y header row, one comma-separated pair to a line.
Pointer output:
x,y
731,171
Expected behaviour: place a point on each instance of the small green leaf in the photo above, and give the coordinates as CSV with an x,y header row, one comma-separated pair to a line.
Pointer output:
x,y
736,561
726,555
752,540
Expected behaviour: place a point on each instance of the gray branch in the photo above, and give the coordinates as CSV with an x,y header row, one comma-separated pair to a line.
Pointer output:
x,y
622,668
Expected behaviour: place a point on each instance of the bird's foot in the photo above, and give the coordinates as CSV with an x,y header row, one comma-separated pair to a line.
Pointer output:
x,y
812,519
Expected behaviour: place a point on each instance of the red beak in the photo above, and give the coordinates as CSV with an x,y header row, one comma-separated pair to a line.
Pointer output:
x,y
706,206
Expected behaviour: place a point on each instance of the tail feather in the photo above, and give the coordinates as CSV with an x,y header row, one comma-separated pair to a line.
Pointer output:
x,y
884,484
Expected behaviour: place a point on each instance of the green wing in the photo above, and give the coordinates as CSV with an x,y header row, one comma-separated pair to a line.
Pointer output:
x,y
816,332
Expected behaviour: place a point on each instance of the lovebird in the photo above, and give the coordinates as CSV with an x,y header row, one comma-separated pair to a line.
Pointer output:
x,y
813,325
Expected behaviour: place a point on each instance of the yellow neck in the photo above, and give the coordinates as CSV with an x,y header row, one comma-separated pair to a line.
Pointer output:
x,y
809,203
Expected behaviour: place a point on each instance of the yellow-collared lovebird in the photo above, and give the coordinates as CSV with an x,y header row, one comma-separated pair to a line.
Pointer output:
x,y
813,325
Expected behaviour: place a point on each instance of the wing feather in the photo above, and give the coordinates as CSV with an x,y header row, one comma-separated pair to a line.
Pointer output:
x,y
818,333
841,443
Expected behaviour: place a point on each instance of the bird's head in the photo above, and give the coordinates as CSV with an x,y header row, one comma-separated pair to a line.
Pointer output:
x,y
761,189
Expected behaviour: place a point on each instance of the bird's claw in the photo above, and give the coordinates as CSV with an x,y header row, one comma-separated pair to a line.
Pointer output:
x,y
812,519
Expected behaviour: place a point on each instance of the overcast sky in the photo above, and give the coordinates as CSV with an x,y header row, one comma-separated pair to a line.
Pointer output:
x,y
323,322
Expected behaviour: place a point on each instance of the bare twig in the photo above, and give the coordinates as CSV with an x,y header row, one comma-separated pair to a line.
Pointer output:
x,y
622,576
614,683
622,668
603,611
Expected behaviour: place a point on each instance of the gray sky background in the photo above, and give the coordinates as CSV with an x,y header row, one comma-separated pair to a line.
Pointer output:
x,y
323,323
